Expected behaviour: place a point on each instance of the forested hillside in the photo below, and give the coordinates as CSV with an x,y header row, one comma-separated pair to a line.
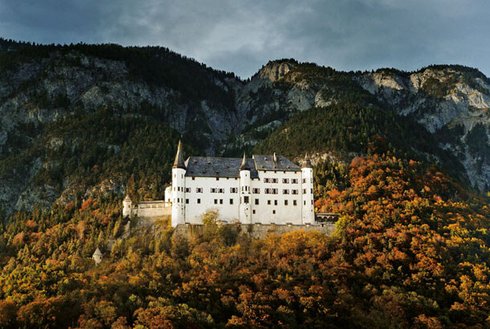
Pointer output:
x,y
403,157
85,120
411,250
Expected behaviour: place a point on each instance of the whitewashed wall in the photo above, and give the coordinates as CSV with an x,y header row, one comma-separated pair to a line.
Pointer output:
x,y
292,207
228,210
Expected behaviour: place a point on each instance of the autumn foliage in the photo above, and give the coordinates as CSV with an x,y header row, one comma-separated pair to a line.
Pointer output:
x,y
411,250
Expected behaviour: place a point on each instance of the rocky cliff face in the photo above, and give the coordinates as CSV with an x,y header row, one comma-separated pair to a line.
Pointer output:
x,y
42,95
37,92
452,103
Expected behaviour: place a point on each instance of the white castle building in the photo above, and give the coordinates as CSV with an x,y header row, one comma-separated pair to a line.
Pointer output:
x,y
264,189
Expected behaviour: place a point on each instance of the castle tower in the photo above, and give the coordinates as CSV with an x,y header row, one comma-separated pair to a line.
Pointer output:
x,y
245,207
178,188
307,209
127,206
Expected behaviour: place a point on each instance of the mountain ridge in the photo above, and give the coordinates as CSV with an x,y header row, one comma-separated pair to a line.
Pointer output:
x,y
114,91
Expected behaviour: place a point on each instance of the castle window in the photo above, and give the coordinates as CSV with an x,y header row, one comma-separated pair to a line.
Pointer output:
x,y
245,199
275,202
285,191
285,202
215,201
220,201
253,211
213,190
217,178
187,201
274,191
311,191
266,180
304,202
273,212
231,201
198,189
294,191
294,181
285,180
269,202
304,191
187,190
295,203
256,191
312,202
198,201
193,178
233,189
304,180
274,180
257,202
221,190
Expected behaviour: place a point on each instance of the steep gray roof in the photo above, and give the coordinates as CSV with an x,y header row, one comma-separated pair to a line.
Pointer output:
x,y
266,162
230,167
306,162
179,157
217,167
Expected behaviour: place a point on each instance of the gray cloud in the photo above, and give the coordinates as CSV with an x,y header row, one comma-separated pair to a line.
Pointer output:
x,y
240,36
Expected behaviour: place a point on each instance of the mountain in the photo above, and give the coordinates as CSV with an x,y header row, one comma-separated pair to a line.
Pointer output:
x,y
395,155
99,120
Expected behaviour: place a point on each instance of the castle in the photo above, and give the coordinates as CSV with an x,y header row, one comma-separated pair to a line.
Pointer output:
x,y
264,189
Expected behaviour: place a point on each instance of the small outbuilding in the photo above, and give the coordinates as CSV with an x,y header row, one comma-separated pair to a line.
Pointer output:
x,y
97,256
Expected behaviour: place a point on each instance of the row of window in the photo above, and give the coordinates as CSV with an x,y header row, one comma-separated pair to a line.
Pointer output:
x,y
270,180
266,180
246,200
245,188
284,180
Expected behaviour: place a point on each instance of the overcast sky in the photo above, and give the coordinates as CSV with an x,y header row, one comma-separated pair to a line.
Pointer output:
x,y
240,36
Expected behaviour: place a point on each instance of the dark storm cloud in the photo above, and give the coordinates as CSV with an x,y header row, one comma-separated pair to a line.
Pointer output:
x,y
240,36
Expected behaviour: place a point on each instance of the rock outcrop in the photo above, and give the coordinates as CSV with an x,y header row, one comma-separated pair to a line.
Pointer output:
x,y
219,113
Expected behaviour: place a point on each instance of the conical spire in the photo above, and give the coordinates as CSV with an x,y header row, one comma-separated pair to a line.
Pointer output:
x,y
244,165
97,252
179,158
306,162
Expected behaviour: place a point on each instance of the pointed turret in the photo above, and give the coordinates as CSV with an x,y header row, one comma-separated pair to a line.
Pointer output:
x,y
127,206
306,162
245,182
178,188
244,165
308,211
179,158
